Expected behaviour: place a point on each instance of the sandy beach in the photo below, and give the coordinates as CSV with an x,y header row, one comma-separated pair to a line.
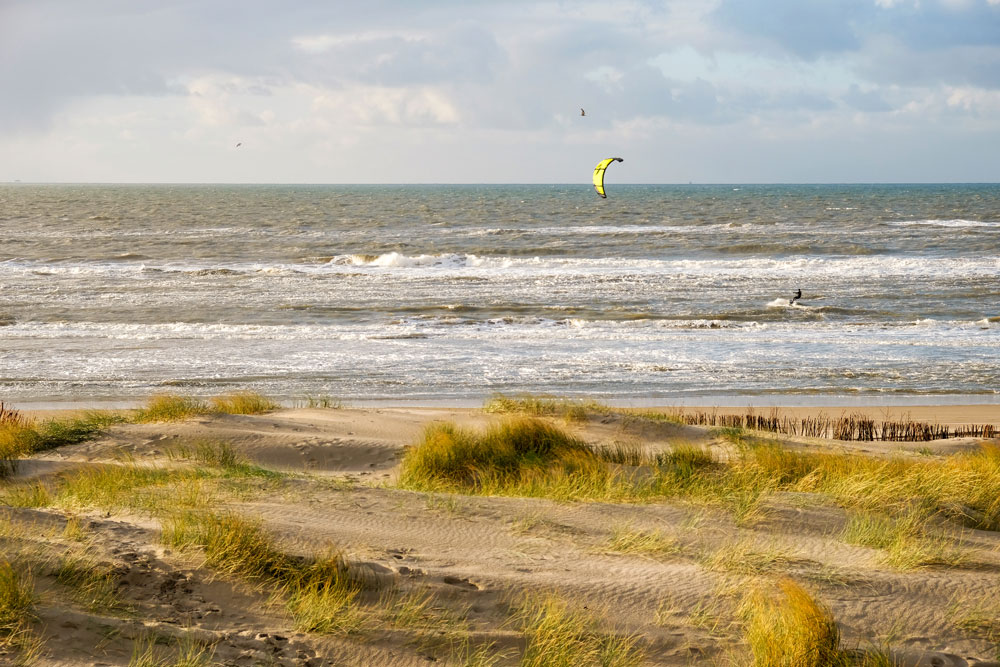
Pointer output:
x,y
451,569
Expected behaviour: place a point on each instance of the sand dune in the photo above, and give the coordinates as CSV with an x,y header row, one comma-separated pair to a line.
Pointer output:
x,y
475,556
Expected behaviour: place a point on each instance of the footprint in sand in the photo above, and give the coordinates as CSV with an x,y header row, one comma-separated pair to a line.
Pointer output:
x,y
461,583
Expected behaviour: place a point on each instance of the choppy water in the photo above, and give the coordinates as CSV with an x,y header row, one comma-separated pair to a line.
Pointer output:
x,y
660,294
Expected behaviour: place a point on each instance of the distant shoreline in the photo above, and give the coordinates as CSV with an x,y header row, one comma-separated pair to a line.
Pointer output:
x,y
934,413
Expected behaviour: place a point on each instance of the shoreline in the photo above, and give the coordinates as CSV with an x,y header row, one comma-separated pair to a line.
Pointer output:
x,y
953,415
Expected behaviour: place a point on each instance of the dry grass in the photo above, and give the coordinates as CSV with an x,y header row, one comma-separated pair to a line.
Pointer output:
x,y
746,557
243,403
221,455
907,542
169,407
320,592
560,635
93,584
20,437
787,628
521,456
783,626
17,603
544,406
653,544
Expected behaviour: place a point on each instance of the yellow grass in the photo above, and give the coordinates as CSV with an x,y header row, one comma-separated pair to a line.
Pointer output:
x,y
243,403
169,407
787,628
560,635
17,602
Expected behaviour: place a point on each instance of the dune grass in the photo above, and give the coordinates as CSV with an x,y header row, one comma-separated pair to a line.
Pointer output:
x,y
147,651
783,626
787,628
243,403
528,456
17,603
544,406
20,437
520,456
652,544
906,542
169,407
176,407
746,557
560,635
223,456
93,584
319,591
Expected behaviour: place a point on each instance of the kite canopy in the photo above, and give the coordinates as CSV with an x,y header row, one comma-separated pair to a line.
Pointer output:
x,y
599,174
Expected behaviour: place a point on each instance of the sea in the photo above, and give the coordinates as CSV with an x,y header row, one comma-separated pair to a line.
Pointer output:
x,y
450,294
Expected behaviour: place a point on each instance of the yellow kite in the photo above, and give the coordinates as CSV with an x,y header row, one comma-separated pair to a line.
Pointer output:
x,y
599,174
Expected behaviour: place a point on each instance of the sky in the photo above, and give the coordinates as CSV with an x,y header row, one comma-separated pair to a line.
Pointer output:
x,y
490,91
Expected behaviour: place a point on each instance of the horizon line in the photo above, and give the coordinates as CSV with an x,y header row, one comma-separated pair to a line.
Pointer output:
x,y
435,183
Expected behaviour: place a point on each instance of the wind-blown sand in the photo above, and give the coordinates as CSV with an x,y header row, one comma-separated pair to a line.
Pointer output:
x,y
477,554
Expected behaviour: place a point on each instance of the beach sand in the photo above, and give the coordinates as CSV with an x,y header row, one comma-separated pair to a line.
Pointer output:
x,y
476,557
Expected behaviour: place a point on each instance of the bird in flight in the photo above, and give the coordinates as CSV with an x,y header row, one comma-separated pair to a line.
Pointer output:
x,y
582,112
239,144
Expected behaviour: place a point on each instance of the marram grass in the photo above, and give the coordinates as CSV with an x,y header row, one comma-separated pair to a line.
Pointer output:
x,y
521,456
544,406
785,627
170,407
558,634
17,602
176,407
243,403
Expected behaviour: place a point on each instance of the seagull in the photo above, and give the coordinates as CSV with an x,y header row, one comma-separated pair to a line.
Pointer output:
x,y
239,144
582,112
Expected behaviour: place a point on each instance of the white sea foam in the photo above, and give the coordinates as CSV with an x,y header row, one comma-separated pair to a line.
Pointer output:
x,y
945,223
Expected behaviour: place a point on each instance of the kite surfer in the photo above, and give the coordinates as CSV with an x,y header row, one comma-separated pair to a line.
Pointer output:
x,y
798,295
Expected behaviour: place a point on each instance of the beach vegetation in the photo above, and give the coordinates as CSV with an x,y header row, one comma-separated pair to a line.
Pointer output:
x,y
168,408
649,543
906,542
558,634
784,626
223,456
151,650
521,456
528,456
243,403
30,494
747,558
21,437
544,406
322,401
93,584
17,603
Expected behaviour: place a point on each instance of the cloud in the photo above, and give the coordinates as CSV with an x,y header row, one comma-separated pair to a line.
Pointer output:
x,y
113,82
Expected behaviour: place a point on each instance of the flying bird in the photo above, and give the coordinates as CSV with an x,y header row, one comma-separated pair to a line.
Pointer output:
x,y
239,144
582,112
